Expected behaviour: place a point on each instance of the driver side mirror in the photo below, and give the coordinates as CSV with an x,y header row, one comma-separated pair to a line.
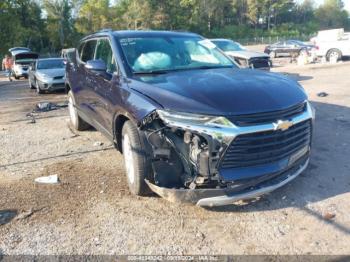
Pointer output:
x,y
96,65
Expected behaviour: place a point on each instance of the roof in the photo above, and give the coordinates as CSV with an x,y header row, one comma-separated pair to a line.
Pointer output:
x,y
221,39
140,33
50,58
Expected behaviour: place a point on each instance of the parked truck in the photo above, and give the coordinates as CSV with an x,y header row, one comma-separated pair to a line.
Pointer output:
x,y
332,44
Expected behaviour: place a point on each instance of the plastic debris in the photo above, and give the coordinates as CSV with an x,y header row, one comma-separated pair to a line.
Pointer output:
x,y
98,143
322,94
328,216
52,179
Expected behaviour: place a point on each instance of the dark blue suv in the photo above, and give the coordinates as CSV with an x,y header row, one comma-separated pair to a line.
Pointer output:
x,y
192,126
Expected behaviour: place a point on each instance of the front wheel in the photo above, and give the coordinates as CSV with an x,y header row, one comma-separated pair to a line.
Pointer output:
x,y
38,89
75,120
135,160
30,84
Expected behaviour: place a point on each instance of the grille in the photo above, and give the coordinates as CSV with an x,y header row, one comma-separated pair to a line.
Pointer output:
x,y
259,62
268,117
58,77
266,147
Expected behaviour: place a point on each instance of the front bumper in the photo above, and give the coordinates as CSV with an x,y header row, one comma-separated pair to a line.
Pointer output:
x,y
51,85
227,196
20,72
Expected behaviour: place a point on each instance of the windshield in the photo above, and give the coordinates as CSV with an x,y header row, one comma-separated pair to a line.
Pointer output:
x,y
227,46
296,42
164,53
50,64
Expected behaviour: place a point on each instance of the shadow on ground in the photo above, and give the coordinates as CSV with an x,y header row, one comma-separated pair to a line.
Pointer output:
x,y
6,215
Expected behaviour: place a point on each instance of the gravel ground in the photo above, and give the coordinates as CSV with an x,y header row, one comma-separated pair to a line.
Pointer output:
x,y
91,211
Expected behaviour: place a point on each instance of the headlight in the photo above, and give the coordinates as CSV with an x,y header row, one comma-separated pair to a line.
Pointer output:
x,y
194,119
43,77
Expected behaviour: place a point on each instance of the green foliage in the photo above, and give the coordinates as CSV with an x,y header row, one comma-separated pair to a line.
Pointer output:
x,y
64,22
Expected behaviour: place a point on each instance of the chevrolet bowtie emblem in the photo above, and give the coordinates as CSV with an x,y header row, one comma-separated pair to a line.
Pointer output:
x,y
282,125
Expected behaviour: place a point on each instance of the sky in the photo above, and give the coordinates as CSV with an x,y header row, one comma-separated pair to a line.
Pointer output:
x,y
319,2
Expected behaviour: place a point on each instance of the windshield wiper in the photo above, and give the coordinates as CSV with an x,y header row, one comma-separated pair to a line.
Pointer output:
x,y
152,72
210,67
166,71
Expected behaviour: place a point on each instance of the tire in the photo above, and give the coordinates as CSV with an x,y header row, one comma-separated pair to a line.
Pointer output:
x,y
303,52
273,54
334,53
137,165
38,90
30,84
75,120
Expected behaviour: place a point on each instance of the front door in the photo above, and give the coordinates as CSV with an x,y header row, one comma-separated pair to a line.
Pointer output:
x,y
106,85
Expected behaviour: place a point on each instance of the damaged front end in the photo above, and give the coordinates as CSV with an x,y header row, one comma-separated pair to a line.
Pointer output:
x,y
212,161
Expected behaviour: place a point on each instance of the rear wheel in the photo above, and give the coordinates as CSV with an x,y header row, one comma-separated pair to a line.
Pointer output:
x,y
334,54
75,120
135,159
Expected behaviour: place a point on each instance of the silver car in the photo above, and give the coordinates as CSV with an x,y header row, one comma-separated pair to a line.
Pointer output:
x,y
245,58
47,75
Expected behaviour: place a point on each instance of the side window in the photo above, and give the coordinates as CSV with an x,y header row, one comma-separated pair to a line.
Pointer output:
x,y
80,49
105,53
88,51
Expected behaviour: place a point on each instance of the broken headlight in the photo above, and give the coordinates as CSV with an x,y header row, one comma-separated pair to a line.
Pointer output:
x,y
172,117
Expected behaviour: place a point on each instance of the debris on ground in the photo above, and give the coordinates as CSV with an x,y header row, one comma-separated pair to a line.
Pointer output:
x,y
25,214
329,216
32,118
48,106
98,143
322,94
52,179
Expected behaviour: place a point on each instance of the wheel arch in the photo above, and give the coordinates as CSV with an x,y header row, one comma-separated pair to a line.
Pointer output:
x,y
118,123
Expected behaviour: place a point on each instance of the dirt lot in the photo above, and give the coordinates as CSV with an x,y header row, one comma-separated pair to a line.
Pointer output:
x,y
92,212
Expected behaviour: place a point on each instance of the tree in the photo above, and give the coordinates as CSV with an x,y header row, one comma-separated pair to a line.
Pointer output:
x,y
332,14
60,24
94,15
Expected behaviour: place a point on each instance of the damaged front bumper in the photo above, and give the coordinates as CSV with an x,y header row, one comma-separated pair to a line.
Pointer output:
x,y
208,165
227,196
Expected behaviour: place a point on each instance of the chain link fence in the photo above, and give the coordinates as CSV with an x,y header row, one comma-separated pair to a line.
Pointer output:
x,y
266,40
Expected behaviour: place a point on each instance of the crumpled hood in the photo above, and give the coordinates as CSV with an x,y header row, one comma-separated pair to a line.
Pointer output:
x,y
246,54
224,91
51,72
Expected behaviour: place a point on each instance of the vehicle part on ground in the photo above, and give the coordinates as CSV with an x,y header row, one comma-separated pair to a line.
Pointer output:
x,y
49,106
